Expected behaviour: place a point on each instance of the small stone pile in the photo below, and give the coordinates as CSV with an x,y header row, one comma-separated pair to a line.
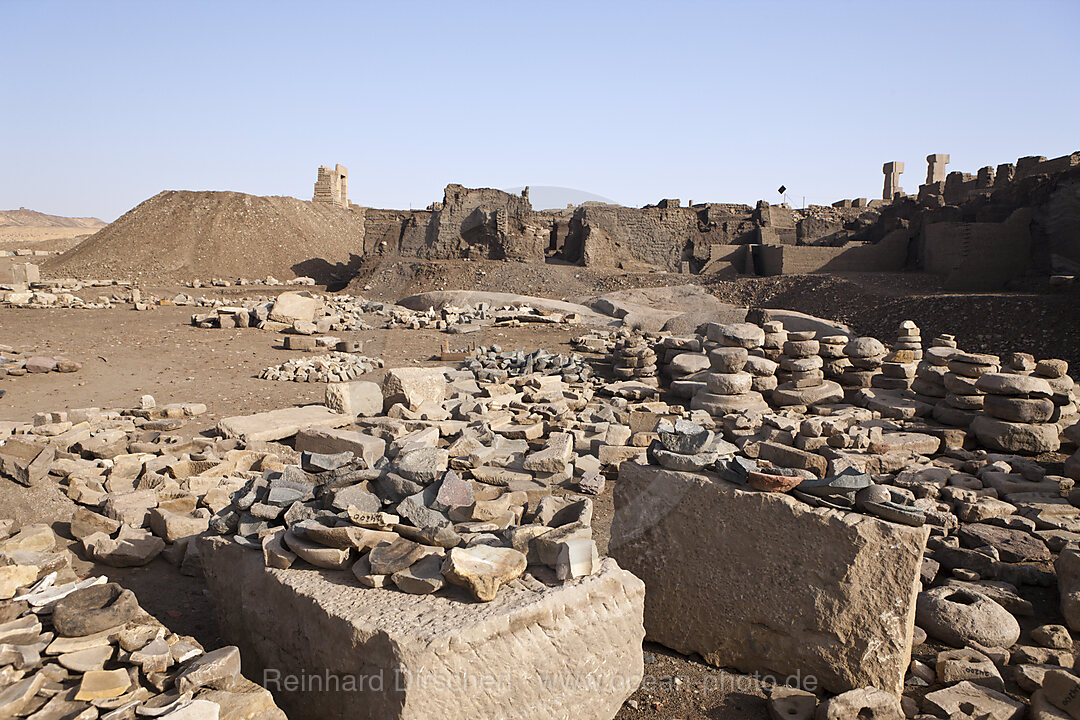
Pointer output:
x,y
39,299
831,349
16,364
492,364
1017,414
728,387
82,647
866,355
333,367
269,280
634,359
684,364
441,528
901,363
964,399
687,446
801,380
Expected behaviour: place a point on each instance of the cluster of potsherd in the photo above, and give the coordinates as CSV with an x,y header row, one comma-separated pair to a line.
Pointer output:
x,y
445,479
82,647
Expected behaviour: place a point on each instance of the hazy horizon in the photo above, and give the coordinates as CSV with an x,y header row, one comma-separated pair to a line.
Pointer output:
x,y
111,103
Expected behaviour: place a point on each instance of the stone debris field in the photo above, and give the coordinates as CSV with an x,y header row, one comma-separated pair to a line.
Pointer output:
x,y
313,498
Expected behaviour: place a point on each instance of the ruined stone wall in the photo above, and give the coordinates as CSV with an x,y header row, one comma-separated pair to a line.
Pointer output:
x,y
332,185
486,223
612,236
888,255
978,256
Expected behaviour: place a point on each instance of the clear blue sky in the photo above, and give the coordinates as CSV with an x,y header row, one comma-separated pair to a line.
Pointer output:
x,y
104,104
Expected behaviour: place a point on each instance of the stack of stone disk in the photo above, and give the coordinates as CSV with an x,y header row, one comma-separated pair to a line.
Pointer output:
x,y
866,355
728,385
762,371
900,364
799,386
963,399
1017,414
775,337
633,358
832,352
684,364
929,382
1056,373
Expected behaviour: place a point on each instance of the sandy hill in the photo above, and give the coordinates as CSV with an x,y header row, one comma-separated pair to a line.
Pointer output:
x,y
183,235
32,218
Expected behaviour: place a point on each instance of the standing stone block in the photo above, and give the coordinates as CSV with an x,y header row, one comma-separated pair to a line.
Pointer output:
x,y
765,583
359,397
568,651
414,386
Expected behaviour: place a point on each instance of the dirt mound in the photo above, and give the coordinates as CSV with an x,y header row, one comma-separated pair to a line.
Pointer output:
x,y
32,218
185,235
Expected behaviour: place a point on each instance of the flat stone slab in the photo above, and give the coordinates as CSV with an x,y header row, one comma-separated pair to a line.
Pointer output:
x,y
570,651
282,423
765,583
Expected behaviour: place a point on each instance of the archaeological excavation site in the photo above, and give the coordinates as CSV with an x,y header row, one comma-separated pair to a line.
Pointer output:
x,y
325,395
265,457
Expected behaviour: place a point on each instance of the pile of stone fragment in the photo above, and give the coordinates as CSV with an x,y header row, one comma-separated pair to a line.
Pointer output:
x,y
470,318
298,313
333,367
493,364
78,646
41,299
1003,524
269,280
14,363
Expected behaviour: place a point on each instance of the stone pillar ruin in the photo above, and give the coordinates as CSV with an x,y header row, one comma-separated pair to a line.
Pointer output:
x,y
935,168
332,186
893,171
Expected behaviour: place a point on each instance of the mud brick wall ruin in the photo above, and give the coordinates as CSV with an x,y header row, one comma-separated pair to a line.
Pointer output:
x,y
332,185
966,227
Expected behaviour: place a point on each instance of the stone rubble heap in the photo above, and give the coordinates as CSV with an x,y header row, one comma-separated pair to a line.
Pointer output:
x,y
333,367
269,280
492,364
16,364
82,647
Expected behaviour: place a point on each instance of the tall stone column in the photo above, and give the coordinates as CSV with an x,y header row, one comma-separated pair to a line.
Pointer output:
x,y
935,168
893,171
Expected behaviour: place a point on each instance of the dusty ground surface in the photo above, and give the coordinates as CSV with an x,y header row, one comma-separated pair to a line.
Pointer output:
x,y
127,353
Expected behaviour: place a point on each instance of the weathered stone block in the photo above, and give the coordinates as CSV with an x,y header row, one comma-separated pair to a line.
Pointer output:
x,y
282,423
359,397
570,651
414,386
331,441
763,582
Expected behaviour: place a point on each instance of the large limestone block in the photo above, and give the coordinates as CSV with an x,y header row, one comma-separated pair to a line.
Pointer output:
x,y
331,441
292,306
568,651
763,582
359,397
414,386
282,423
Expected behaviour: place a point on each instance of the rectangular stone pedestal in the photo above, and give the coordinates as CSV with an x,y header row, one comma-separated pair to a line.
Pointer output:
x,y
328,647
765,583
